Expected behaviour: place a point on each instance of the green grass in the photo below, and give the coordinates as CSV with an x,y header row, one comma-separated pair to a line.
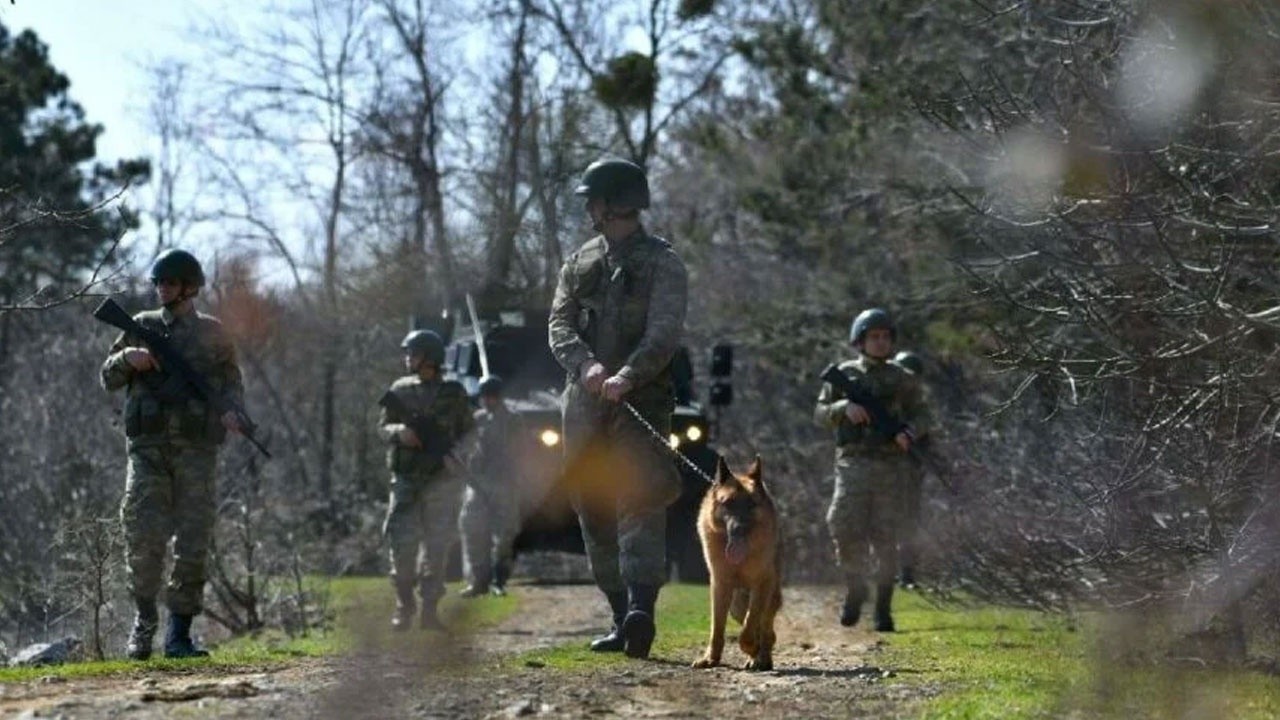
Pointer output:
x,y
682,611
994,663
361,608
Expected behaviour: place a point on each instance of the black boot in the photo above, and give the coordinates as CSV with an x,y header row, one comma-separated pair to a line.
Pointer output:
x,y
638,628
177,642
427,618
613,642
884,599
405,606
907,578
501,572
855,594
144,630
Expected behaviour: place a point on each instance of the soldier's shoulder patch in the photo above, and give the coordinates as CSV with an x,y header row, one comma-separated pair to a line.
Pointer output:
x,y
404,382
149,316
851,365
208,319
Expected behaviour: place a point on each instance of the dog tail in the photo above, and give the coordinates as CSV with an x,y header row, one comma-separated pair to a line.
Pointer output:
x,y
738,606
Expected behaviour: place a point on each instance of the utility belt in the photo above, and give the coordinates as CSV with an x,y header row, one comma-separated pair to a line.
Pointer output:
x,y
413,461
146,415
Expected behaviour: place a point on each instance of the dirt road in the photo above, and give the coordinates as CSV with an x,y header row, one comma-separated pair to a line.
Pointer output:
x,y
823,671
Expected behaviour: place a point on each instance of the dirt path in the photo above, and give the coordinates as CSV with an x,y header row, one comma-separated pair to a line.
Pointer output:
x,y
823,671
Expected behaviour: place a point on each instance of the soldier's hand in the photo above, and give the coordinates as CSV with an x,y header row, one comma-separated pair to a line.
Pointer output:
x,y
140,359
231,422
615,387
593,376
857,414
903,440
409,438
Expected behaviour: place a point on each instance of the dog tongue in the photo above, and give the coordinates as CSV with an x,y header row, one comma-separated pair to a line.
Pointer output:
x,y
735,551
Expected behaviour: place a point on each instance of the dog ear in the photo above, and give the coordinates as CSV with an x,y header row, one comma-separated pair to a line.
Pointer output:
x,y
723,474
755,471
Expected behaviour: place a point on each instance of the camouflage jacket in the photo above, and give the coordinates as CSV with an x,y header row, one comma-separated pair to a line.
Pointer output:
x,y
496,459
445,402
622,305
159,408
897,389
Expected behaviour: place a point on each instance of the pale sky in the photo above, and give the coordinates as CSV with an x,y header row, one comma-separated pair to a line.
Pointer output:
x,y
101,46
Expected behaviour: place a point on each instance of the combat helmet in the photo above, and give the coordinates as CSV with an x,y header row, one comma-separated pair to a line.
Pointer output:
x,y
620,183
873,318
177,265
490,385
425,343
910,361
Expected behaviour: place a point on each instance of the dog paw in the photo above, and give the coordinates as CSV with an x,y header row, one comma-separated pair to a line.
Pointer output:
x,y
759,664
704,662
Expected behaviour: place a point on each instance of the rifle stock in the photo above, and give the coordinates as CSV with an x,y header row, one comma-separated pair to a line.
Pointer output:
x,y
110,312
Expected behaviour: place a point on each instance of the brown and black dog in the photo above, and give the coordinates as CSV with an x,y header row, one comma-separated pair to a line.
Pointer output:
x,y
738,525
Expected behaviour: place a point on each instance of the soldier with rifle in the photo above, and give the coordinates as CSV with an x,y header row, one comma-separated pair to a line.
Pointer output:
x,y
182,394
423,417
877,412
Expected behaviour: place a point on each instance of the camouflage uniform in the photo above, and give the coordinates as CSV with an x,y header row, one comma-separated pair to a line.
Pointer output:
x,y
872,473
490,518
622,305
425,492
912,507
170,488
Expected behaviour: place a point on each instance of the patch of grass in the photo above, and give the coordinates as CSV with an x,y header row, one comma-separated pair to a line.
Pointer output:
x,y
997,663
682,628
361,607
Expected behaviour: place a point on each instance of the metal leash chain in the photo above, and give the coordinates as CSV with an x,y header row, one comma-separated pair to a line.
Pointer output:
x,y
666,443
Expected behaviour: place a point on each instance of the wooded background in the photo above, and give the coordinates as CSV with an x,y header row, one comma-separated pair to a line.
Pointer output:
x,y
1069,207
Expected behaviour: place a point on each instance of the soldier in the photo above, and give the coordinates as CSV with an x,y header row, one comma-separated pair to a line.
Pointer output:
x,y
490,518
615,323
172,444
425,478
913,491
871,469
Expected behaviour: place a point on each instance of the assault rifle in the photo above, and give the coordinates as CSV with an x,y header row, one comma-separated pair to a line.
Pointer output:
x,y
176,366
882,420
435,441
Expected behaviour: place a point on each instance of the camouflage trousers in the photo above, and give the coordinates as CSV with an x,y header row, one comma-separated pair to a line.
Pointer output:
x,y
866,514
912,506
489,523
169,493
622,480
421,528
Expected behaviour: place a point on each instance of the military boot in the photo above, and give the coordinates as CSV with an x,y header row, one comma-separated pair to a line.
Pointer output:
x,y
855,594
405,606
612,641
144,630
638,627
884,599
501,572
427,618
177,641
907,578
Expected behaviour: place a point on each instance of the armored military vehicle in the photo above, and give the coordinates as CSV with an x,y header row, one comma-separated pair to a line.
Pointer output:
x,y
515,348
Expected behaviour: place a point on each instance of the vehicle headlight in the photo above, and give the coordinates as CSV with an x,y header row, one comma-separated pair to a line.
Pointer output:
x,y
549,437
694,433
674,441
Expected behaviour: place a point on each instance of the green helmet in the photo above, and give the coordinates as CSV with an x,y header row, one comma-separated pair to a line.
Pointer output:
x,y
874,318
910,361
620,183
490,385
424,343
177,265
